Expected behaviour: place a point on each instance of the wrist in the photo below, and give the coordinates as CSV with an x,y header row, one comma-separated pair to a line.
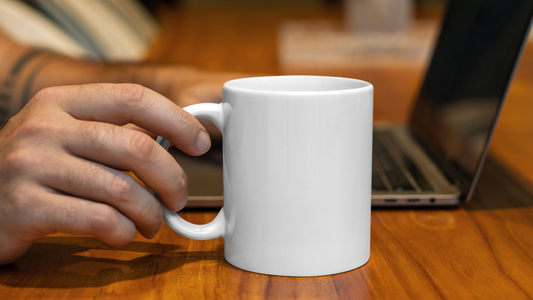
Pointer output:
x,y
16,77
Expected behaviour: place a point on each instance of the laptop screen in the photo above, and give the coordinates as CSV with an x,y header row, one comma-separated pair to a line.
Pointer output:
x,y
467,80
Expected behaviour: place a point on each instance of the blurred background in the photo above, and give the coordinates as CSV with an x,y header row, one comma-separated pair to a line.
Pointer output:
x,y
321,33
353,38
385,42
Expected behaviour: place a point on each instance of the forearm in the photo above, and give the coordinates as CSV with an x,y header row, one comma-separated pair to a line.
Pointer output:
x,y
24,71
66,71
35,71
15,67
61,70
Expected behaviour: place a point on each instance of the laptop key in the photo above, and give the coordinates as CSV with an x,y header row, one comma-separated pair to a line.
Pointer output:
x,y
417,175
377,183
396,177
399,181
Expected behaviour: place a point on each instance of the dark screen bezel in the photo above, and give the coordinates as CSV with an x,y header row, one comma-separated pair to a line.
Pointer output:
x,y
452,170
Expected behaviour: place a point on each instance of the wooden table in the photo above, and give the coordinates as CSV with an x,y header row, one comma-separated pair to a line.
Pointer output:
x,y
483,250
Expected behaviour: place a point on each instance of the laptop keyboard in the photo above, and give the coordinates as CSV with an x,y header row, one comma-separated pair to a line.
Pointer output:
x,y
394,172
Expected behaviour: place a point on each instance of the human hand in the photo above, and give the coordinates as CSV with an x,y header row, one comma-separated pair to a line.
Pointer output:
x,y
61,159
187,86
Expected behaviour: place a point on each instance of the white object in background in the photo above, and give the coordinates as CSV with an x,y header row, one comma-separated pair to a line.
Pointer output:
x,y
323,45
27,26
378,16
297,174
118,30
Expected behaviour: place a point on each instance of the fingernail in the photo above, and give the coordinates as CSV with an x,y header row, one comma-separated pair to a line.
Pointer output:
x,y
203,142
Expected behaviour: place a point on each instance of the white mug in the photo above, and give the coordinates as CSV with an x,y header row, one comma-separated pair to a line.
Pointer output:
x,y
297,161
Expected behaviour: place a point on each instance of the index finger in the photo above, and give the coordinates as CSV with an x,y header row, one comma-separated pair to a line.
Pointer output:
x,y
131,103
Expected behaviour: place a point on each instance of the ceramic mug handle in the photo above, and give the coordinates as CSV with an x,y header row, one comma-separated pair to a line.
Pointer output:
x,y
214,229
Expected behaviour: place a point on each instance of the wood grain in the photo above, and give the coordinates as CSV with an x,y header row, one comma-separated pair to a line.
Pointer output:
x,y
482,250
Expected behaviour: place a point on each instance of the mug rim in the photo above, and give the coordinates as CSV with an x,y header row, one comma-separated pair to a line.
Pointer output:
x,y
360,85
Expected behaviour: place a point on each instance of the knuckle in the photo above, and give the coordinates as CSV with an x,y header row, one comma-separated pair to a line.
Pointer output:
x,y
132,95
47,94
20,159
104,223
38,125
103,220
179,187
120,188
142,146
186,123
153,212
98,133
22,201
182,181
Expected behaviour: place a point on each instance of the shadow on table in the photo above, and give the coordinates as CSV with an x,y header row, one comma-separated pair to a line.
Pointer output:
x,y
67,262
499,189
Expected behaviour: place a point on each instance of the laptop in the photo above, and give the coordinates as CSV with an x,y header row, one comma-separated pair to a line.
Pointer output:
x,y
435,159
